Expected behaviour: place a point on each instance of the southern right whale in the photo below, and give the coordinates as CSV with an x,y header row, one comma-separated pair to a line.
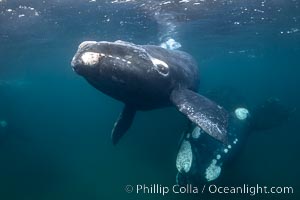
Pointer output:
x,y
201,159
147,77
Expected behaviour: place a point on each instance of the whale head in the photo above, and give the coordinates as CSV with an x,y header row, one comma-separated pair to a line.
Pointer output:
x,y
125,71
116,60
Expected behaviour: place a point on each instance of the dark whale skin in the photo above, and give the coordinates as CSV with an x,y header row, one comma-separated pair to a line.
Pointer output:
x,y
146,77
137,81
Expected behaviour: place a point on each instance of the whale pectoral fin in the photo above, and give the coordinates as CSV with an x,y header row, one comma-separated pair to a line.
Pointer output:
x,y
123,123
211,117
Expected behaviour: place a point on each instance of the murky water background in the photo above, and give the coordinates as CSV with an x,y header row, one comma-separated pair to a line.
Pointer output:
x,y
56,143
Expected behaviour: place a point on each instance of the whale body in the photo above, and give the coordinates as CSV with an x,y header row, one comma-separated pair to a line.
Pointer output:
x,y
147,77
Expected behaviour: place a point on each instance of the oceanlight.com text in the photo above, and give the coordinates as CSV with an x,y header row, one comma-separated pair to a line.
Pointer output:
x,y
208,189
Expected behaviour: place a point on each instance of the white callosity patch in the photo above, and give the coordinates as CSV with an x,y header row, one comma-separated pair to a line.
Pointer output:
x,y
213,171
3,123
90,58
241,113
196,132
165,2
184,157
161,66
122,1
235,141
184,1
170,44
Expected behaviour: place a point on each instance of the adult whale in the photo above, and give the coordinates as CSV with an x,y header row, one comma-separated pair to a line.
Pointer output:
x,y
147,77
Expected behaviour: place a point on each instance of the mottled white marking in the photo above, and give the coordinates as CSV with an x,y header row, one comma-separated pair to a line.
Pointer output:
x,y
235,141
127,57
110,56
229,146
241,113
90,58
196,132
225,150
184,157
121,1
128,62
213,171
118,58
218,156
166,2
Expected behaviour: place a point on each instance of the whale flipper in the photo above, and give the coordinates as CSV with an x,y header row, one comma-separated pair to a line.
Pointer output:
x,y
123,123
211,117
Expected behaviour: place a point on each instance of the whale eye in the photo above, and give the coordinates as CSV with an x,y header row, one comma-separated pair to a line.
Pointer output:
x,y
160,66
163,69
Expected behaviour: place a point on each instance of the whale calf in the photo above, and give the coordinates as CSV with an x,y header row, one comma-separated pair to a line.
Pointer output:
x,y
146,77
200,159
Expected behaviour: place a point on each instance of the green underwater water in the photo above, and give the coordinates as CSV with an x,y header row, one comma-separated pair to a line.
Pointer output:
x,y
56,144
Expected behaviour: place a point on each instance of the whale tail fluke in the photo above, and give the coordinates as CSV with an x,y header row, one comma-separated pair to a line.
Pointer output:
x,y
212,118
123,123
